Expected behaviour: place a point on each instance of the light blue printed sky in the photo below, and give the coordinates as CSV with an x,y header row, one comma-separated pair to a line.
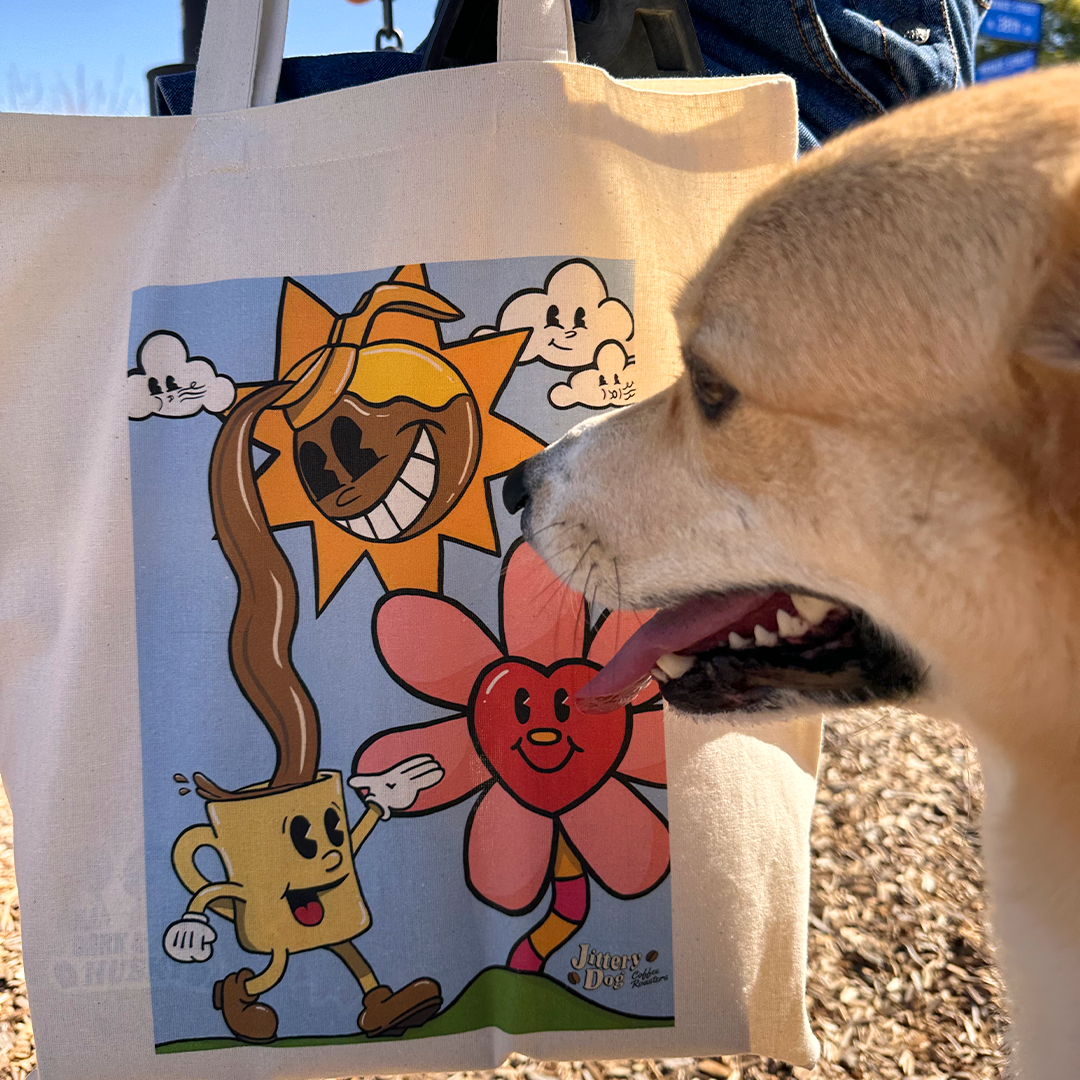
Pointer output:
x,y
426,922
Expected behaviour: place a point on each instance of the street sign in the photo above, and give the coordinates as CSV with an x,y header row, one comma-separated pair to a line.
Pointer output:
x,y
1001,66
1013,20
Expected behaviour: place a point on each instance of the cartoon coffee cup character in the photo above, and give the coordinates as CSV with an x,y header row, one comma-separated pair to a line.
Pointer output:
x,y
290,882
292,887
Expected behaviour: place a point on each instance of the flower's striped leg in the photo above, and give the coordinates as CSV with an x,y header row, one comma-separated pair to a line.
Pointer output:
x,y
565,915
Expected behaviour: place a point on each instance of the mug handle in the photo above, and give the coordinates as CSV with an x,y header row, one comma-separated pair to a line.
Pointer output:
x,y
183,860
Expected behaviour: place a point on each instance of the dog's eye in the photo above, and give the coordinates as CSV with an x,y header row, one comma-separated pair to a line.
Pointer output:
x,y
553,316
714,394
579,319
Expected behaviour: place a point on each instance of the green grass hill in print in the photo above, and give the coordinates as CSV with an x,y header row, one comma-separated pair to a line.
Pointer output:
x,y
515,1002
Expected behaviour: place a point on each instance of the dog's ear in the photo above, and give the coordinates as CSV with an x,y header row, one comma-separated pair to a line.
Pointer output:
x,y
1052,333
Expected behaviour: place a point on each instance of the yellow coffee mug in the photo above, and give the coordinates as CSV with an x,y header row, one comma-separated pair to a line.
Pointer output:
x,y
289,861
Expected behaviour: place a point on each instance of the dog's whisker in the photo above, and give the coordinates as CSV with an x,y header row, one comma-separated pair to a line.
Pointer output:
x,y
581,558
585,587
618,596
555,525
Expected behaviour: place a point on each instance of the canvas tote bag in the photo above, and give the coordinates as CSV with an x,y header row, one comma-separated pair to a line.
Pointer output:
x,y
299,784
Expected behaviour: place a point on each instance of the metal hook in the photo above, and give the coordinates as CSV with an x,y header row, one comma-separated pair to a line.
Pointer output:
x,y
388,37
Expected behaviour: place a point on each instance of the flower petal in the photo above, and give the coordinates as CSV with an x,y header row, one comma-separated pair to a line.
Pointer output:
x,y
644,758
435,647
614,632
542,619
447,741
621,837
507,852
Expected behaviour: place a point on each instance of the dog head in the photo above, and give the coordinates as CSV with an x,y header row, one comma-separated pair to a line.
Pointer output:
x,y
866,484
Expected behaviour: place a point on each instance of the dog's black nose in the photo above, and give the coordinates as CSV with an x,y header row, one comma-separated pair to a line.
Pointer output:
x,y
515,494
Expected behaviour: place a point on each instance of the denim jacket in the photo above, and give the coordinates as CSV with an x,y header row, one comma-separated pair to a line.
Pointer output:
x,y
850,61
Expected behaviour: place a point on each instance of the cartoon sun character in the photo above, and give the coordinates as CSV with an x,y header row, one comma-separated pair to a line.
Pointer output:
x,y
558,803
381,437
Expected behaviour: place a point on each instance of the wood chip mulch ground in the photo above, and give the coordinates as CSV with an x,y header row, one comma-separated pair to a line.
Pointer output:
x,y
902,980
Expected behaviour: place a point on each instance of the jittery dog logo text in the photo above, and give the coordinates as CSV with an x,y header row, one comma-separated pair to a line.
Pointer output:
x,y
593,968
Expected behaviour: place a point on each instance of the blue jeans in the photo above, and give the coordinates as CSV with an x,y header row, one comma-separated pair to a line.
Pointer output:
x,y
850,62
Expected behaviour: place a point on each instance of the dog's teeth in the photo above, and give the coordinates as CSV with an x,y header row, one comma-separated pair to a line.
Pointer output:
x,y
765,637
790,626
659,676
675,666
736,641
811,608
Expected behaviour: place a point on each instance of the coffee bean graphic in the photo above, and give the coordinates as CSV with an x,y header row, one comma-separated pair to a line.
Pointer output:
x,y
574,977
651,955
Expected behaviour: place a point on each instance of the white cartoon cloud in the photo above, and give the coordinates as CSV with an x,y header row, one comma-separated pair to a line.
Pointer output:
x,y
168,381
569,317
609,383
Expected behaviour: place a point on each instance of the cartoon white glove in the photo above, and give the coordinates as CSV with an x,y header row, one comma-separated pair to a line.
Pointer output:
x,y
397,788
190,940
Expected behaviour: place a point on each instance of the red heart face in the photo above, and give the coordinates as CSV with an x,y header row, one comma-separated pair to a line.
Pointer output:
x,y
539,745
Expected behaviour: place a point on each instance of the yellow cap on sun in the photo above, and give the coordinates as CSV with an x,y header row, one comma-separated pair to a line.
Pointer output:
x,y
376,373
395,369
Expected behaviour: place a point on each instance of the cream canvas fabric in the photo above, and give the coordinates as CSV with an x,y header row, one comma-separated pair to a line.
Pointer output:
x,y
470,261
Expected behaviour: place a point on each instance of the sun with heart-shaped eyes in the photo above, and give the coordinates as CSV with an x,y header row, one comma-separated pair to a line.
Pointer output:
x,y
388,439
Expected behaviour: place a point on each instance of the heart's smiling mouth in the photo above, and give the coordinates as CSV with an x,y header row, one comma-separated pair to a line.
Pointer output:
x,y
573,749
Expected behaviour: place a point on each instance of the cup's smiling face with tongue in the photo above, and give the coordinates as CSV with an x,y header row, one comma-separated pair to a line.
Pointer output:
x,y
306,901
289,852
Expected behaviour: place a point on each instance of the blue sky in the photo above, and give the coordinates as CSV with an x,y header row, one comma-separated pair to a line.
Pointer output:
x,y
92,55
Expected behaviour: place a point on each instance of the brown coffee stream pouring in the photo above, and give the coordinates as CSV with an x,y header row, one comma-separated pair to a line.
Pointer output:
x,y
260,640
267,606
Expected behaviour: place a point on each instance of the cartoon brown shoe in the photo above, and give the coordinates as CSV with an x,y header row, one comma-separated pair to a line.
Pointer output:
x,y
246,1017
389,1013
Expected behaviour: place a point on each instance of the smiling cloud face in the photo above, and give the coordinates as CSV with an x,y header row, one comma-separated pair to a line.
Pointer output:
x,y
569,317
610,382
169,382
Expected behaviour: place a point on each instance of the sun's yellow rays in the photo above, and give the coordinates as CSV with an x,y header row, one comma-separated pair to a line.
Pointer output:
x,y
483,362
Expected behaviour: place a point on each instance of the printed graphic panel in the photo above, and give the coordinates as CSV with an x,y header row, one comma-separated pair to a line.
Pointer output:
x,y
372,807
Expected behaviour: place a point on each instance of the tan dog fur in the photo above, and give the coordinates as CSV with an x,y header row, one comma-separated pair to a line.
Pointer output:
x,y
900,315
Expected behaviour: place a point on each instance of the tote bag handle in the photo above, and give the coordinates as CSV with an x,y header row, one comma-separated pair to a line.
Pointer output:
x,y
243,41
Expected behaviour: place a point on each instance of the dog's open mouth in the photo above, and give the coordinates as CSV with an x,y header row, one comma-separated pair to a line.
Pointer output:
x,y
756,649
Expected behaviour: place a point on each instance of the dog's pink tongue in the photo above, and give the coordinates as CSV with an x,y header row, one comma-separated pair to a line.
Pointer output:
x,y
669,630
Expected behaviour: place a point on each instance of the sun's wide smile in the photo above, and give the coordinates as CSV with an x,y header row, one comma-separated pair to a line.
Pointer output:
x,y
573,749
406,498
751,650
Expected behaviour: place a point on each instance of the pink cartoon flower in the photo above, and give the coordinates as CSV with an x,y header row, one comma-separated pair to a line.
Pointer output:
x,y
556,796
